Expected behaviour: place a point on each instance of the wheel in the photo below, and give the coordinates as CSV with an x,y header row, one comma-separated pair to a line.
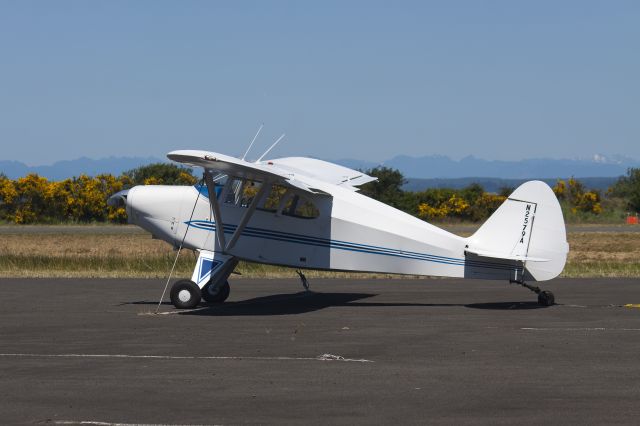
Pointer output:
x,y
545,298
185,294
212,296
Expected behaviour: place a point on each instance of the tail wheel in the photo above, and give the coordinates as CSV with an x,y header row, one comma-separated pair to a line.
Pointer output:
x,y
546,298
212,294
185,294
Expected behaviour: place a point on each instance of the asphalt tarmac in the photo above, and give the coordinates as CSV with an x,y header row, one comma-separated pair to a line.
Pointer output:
x,y
430,351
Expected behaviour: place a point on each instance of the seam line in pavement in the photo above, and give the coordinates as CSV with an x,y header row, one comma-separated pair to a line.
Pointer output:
x,y
323,357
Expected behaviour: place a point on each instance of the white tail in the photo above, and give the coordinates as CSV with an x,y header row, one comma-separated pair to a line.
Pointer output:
x,y
528,227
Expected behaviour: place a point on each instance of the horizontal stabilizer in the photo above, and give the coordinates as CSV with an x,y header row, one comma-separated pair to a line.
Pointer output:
x,y
496,255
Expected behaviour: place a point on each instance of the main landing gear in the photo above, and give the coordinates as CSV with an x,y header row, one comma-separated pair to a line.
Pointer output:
x,y
185,294
208,282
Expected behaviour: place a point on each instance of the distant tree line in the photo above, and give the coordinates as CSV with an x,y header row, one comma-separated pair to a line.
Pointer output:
x,y
474,204
34,199
471,203
628,189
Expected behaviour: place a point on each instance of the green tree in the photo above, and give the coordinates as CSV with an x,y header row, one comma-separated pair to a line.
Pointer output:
x,y
388,188
161,174
628,187
505,191
472,193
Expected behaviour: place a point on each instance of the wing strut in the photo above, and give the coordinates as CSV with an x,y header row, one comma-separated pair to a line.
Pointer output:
x,y
215,206
247,215
223,245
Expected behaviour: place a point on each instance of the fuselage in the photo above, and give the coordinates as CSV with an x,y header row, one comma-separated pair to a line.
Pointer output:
x,y
344,231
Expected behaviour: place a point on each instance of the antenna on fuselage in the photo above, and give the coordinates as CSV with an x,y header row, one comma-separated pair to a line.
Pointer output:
x,y
270,148
252,141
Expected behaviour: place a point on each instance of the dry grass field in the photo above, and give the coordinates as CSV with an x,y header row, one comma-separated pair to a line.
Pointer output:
x,y
112,253
603,254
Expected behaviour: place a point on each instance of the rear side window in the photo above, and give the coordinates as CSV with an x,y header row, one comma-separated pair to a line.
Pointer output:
x,y
291,204
275,197
300,207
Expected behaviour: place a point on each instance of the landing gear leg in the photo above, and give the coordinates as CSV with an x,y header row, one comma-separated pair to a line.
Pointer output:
x,y
303,279
211,273
545,298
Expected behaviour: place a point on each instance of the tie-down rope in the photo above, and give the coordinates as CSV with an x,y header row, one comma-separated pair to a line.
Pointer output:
x,y
201,184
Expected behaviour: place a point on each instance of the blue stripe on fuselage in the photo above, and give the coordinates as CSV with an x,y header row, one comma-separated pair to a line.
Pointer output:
x,y
345,245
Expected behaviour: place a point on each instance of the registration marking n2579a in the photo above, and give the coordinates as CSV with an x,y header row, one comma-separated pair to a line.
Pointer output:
x,y
526,222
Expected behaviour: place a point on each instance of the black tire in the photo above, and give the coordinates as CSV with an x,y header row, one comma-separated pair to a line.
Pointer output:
x,y
185,294
546,298
208,295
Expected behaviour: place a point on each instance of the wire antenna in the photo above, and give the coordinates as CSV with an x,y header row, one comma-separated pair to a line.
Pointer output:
x,y
270,148
252,141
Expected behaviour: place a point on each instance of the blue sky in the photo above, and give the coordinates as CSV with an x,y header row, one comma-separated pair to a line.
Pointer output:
x,y
369,80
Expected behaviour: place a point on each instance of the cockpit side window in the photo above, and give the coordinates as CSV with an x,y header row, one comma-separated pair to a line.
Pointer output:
x,y
233,190
241,192
249,192
219,185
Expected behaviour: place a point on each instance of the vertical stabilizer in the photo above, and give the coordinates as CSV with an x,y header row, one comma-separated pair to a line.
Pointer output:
x,y
528,227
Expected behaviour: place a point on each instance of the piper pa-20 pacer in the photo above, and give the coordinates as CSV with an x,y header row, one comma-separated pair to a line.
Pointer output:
x,y
307,214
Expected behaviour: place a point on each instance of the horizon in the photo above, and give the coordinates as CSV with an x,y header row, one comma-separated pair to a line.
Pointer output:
x,y
595,158
433,167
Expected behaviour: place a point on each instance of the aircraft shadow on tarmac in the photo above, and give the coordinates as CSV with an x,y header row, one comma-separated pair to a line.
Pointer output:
x,y
303,302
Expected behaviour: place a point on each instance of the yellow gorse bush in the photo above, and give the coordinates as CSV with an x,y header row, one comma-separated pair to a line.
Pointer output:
x,y
580,200
33,198
8,191
453,206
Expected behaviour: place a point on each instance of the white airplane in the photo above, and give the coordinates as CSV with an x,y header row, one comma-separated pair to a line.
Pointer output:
x,y
307,214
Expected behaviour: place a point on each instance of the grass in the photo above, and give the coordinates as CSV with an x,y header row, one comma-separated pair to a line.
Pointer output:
x,y
603,254
118,255
601,269
100,255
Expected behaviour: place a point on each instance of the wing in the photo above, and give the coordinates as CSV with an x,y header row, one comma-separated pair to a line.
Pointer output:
x,y
322,171
235,167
